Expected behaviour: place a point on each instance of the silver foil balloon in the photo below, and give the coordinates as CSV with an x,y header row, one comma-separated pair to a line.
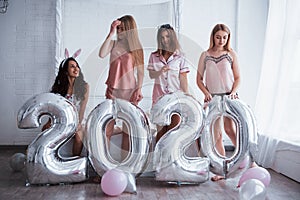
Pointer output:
x,y
252,189
139,134
131,183
44,165
243,117
172,164
17,162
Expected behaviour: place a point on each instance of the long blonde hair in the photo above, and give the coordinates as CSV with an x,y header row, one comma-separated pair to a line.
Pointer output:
x,y
217,28
174,44
134,44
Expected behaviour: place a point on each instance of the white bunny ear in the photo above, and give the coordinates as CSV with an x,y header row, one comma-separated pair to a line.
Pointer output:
x,y
66,53
76,53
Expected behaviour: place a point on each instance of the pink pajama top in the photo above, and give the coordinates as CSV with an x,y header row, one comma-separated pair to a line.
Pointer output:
x,y
121,70
167,82
219,75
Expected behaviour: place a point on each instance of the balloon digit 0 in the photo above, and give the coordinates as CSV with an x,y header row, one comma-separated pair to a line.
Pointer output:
x,y
140,138
246,131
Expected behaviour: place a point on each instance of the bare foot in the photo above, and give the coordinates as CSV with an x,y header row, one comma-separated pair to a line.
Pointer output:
x,y
254,164
217,178
97,179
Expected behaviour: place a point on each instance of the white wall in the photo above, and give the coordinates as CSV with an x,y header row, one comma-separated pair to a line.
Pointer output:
x,y
28,46
251,24
26,61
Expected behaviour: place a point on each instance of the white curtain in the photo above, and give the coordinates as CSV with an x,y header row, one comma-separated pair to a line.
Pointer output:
x,y
85,25
277,107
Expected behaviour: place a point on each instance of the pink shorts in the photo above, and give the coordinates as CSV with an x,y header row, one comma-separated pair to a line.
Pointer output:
x,y
112,93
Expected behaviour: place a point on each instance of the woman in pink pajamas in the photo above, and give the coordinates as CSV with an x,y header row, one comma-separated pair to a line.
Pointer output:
x,y
168,67
126,55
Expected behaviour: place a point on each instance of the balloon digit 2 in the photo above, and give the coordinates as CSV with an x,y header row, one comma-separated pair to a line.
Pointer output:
x,y
44,164
171,162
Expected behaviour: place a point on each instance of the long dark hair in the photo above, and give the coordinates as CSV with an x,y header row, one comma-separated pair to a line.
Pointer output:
x,y
61,83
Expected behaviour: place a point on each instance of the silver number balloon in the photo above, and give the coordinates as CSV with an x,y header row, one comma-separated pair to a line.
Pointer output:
x,y
139,133
241,114
171,162
44,165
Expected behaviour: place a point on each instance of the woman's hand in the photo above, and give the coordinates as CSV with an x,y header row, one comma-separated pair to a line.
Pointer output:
x,y
207,97
233,95
136,96
164,69
113,26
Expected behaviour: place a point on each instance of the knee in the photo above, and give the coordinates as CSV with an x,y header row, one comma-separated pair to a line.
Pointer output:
x,y
78,137
230,131
218,136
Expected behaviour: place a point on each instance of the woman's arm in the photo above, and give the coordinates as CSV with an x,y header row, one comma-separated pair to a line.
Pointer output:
x,y
183,82
236,75
107,45
83,104
155,74
140,79
140,76
200,74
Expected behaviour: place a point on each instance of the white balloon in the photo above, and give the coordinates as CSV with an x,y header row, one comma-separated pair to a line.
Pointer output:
x,y
252,189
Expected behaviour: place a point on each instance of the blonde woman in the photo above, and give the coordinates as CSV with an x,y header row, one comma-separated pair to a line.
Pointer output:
x,y
126,55
168,67
219,65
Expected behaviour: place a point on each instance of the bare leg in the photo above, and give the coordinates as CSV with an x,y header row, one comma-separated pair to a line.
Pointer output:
x,y
77,144
161,130
175,120
230,129
218,137
109,131
218,144
125,142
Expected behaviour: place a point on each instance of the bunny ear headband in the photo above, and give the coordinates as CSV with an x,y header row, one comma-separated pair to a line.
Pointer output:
x,y
74,55
67,55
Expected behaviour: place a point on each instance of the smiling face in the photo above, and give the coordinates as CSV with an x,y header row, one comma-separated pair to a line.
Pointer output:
x,y
165,40
73,69
220,38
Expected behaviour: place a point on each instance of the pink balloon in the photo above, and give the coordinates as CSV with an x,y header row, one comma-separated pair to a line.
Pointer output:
x,y
258,173
113,182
